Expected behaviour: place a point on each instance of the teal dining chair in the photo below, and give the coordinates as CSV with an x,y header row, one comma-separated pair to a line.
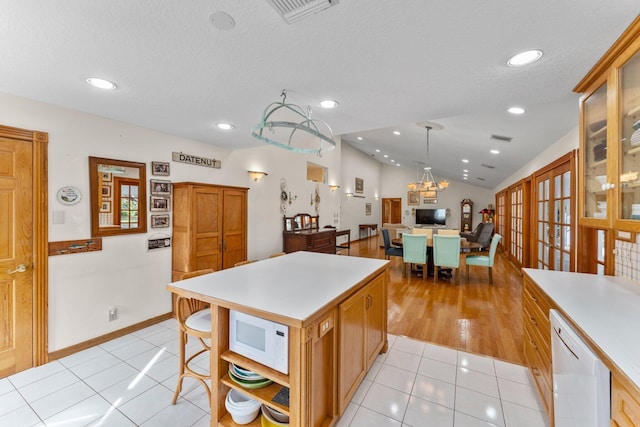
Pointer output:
x,y
484,260
446,253
414,250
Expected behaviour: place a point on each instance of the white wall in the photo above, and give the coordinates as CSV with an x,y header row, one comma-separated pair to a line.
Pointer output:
x,y
569,142
356,164
124,274
394,184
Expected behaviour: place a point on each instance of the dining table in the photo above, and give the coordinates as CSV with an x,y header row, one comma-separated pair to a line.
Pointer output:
x,y
466,248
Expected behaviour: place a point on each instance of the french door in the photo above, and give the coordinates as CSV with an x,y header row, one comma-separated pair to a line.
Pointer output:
x,y
555,216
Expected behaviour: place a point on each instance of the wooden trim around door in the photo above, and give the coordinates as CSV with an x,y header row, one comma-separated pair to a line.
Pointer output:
x,y
40,142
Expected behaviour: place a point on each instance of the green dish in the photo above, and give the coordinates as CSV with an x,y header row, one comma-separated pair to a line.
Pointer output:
x,y
249,384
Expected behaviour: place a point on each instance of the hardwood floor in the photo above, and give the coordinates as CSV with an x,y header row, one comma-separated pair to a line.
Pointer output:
x,y
476,317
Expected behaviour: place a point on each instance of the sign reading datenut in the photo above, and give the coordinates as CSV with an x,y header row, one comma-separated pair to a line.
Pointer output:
x,y
196,160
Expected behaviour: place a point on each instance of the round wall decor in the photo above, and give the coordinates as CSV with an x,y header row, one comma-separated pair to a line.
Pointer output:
x,y
69,195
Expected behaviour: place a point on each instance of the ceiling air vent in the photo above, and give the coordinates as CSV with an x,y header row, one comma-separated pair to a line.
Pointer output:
x,y
501,138
295,10
480,179
487,166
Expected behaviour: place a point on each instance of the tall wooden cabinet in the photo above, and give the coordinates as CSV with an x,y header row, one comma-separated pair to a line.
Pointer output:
x,y
209,227
610,137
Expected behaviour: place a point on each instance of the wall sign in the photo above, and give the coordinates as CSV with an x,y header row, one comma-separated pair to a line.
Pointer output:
x,y
163,242
196,160
69,195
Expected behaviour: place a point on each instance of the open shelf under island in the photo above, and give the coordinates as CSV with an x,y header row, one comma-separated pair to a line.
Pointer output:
x,y
336,311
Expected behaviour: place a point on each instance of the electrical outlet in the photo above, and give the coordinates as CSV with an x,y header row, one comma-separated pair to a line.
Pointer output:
x,y
113,314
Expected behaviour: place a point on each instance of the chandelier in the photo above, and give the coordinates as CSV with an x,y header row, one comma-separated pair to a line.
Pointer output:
x,y
428,183
293,129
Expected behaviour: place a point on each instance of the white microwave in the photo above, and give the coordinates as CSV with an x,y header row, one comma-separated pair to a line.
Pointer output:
x,y
259,339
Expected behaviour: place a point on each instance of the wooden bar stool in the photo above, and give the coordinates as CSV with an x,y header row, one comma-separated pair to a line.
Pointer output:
x,y
194,319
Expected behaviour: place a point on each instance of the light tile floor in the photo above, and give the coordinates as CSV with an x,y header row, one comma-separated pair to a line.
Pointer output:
x,y
130,382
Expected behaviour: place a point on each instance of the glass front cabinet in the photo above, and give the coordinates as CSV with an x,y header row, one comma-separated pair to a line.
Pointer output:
x,y
610,138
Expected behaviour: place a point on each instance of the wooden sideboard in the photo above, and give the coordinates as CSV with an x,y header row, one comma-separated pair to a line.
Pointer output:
x,y
302,233
310,240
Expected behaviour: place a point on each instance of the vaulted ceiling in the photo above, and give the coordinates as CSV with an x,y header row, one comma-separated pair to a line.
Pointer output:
x,y
390,64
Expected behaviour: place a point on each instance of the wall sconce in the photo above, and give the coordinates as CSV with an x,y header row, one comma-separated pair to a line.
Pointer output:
x,y
333,188
255,175
376,198
349,195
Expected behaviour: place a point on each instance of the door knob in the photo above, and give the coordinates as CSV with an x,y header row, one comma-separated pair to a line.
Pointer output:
x,y
19,269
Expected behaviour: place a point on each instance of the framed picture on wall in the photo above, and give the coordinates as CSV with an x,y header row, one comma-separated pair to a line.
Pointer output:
x,y
105,206
359,185
413,198
160,187
160,221
106,191
160,168
159,204
105,176
367,209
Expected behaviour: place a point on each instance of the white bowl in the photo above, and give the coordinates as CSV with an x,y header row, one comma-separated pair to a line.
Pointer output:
x,y
243,409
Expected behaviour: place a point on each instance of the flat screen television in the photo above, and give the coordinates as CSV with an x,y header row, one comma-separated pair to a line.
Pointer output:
x,y
431,216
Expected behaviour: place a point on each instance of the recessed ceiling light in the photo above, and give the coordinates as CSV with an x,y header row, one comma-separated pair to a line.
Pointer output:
x,y
465,174
101,83
395,132
465,161
386,156
393,161
465,170
516,110
397,164
495,151
329,103
359,138
377,150
224,126
524,58
465,178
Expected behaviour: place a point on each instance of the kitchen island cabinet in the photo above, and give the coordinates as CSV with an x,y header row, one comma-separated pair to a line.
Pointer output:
x,y
603,310
305,291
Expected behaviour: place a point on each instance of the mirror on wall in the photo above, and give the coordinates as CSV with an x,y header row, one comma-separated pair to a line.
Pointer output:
x,y
118,197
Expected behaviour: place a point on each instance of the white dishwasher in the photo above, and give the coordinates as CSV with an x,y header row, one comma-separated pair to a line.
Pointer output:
x,y
581,382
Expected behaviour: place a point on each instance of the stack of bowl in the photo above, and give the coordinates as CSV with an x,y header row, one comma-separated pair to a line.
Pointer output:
x,y
243,409
273,418
247,378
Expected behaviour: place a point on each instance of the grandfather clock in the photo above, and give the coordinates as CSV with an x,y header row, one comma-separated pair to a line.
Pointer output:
x,y
466,212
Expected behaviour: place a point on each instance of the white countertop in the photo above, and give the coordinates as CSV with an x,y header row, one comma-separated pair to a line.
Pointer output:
x,y
606,308
295,285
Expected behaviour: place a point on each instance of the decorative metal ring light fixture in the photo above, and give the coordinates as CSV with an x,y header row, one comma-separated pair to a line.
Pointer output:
x,y
305,124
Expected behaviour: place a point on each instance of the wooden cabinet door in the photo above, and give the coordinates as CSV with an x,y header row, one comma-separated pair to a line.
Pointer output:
x,y
234,223
353,363
206,229
376,308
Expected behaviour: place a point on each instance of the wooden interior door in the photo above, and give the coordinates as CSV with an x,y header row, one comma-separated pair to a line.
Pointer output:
x,y
554,219
516,220
392,210
16,256
501,218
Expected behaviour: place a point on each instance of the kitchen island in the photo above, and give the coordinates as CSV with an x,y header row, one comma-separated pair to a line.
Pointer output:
x,y
336,311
